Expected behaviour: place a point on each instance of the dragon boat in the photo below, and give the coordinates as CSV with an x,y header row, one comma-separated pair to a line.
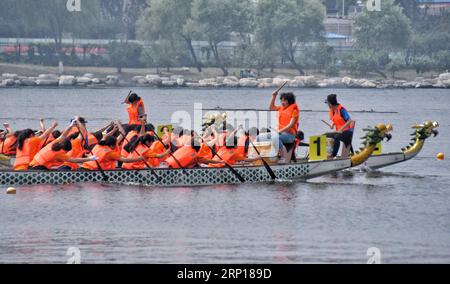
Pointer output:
x,y
421,133
302,169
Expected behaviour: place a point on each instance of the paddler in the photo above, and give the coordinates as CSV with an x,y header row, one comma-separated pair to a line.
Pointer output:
x,y
28,145
142,147
108,153
135,109
54,155
343,124
288,120
9,141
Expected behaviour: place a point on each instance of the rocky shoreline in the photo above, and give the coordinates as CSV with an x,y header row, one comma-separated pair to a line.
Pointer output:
x,y
179,81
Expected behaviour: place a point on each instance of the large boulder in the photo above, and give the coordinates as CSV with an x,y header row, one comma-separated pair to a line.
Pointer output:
x,y
83,81
367,84
48,77
169,83
47,82
231,79
28,82
96,81
248,82
446,83
348,82
265,83
153,80
10,76
89,75
331,83
67,80
306,81
7,82
176,77
181,82
192,85
279,81
230,82
444,77
409,84
135,79
208,82
112,80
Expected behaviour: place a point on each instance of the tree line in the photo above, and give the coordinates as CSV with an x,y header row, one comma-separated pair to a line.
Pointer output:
x,y
266,33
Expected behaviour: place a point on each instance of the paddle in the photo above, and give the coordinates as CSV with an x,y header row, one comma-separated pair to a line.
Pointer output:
x,y
158,178
170,153
238,175
282,86
329,125
105,177
266,165
126,99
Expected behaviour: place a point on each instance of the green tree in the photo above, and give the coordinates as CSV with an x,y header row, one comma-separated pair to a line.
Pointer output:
x,y
290,24
124,54
215,20
155,26
381,32
124,14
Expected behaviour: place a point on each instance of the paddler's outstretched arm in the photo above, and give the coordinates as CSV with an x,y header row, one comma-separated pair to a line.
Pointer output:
x,y
272,105
48,131
105,127
8,128
66,131
121,131
142,130
42,125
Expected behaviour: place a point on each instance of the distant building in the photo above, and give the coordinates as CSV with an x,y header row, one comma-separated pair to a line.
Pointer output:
x,y
434,7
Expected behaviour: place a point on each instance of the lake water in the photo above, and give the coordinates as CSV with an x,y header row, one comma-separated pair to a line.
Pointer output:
x,y
403,210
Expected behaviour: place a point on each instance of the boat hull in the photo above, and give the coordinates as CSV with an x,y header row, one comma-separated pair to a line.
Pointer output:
x,y
176,177
384,160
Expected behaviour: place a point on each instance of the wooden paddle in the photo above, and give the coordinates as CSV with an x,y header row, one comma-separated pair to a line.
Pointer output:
x,y
105,177
266,165
233,170
329,125
145,162
282,86
126,99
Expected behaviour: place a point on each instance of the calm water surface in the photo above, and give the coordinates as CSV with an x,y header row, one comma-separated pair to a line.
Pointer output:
x,y
403,210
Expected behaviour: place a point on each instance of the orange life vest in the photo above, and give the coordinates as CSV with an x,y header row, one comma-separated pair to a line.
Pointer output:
x,y
76,152
205,152
186,155
92,140
102,153
127,139
133,112
157,148
285,117
46,157
229,155
7,146
27,154
338,120
141,151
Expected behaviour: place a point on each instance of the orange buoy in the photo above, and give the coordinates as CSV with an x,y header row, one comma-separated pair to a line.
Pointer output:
x,y
440,156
